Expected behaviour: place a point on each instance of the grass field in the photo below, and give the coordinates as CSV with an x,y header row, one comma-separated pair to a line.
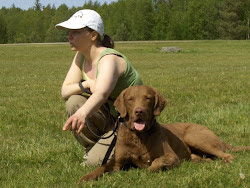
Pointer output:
x,y
207,83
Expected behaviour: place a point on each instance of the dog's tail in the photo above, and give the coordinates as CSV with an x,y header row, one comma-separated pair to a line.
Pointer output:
x,y
236,148
240,148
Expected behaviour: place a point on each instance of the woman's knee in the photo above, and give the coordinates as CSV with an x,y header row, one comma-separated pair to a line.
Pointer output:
x,y
74,103
99,150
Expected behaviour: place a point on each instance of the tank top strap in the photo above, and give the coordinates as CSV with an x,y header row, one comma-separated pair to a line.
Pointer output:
x,y
107,51
85,77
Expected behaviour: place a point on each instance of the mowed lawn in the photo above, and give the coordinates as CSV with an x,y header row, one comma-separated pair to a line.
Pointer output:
x,y
206,83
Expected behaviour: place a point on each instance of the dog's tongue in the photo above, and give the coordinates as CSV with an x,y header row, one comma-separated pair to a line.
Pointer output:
x,y
139,126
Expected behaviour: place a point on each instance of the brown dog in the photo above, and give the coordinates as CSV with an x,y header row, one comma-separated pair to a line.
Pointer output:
x,y
143,142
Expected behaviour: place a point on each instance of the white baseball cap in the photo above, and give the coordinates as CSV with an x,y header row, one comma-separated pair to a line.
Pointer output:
x,y
84,18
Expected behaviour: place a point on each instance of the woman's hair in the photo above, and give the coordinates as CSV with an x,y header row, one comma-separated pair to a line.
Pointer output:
x,y
107,41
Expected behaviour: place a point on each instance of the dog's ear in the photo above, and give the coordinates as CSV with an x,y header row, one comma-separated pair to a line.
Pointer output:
x,y
160,103
119,104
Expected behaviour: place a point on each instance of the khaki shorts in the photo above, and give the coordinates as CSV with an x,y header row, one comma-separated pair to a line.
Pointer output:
x,y
99,123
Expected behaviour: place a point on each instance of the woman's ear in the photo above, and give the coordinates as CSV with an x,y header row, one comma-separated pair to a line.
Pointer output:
x,y
94,35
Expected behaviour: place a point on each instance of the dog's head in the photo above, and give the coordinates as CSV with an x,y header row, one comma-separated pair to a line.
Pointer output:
x,y
139,105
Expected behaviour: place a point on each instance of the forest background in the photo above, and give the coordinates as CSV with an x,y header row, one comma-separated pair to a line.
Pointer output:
x,y
127,20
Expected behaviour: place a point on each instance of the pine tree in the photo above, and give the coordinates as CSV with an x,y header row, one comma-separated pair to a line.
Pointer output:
x,y
142,20
202,19
3,31
232,20
54,35
38,5
178,24
161,18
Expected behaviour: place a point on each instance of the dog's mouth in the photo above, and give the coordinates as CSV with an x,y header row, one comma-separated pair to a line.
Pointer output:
x,y
139,124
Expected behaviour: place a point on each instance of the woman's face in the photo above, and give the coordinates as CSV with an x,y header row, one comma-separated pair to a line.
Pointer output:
x,y
79,39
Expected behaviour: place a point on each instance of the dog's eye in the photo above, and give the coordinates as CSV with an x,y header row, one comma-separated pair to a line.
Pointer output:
x,y
130,99
148,97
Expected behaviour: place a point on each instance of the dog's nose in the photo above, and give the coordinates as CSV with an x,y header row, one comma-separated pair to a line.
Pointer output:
x,y
138,111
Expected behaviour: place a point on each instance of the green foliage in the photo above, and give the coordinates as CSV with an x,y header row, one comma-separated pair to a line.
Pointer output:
x,y
30,27
12,17
38,5
3,31
122,33
202,19
54,35
134,20
207,83
232,25
141,19
116,19
161,20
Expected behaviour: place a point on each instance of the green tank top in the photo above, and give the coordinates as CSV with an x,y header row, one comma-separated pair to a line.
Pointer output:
x,y
129,78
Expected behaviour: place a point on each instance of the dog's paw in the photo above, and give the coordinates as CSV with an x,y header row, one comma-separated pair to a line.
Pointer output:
x,y
228,159
88,177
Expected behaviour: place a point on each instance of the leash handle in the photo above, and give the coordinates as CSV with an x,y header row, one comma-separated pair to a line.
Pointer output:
x,y
82,88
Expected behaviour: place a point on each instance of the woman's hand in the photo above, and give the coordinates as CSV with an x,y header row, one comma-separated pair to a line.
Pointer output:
x,y
75,122
90,85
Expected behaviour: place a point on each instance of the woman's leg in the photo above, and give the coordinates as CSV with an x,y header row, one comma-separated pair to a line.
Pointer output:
x,y
99,123
99,150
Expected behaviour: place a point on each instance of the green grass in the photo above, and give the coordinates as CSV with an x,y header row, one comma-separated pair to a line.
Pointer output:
x,y
207,83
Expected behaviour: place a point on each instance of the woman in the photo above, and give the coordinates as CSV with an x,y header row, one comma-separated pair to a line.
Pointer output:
x,y
100,69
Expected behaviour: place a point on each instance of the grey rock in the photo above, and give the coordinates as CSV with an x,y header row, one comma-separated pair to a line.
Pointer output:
x,y
171,49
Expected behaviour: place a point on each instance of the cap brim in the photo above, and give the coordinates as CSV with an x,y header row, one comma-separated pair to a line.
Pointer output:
x,y
69,25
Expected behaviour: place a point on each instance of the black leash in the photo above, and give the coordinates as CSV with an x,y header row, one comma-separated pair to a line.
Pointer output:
x,y
88,91
112,145
101,137
117,124
106,105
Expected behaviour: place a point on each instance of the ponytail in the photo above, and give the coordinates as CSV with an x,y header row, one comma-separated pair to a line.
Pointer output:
x,y
107,41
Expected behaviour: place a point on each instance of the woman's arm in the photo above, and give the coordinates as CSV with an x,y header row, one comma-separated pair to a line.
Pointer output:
x,y
110,69
71,83
74,75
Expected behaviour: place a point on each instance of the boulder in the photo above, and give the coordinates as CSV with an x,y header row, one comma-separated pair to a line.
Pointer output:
x,y
171,49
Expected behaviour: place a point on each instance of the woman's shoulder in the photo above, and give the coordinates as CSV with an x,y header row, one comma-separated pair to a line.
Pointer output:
x,y
111,54
110,51
112,58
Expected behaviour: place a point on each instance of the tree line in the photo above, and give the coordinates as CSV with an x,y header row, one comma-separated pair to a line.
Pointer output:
x,y
133,20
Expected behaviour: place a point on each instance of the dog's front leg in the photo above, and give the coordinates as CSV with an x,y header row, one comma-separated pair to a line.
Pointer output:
x,y
166,161
98,172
